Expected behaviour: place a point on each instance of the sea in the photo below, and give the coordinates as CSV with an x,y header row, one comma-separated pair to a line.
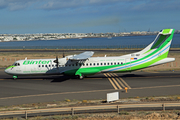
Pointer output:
x,y
124,40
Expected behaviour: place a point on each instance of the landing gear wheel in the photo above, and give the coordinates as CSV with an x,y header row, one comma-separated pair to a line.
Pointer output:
x,y
15,77
81,77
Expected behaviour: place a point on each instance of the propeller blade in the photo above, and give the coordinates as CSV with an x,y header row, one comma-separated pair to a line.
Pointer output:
x,y
56,61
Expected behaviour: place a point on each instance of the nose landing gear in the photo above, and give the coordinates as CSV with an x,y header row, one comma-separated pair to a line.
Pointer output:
x,y
15,77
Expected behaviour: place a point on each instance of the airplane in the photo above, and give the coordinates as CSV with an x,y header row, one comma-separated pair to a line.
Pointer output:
x,y
84,64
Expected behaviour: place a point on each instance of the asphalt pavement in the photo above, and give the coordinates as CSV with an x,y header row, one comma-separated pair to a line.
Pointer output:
x,y
34,89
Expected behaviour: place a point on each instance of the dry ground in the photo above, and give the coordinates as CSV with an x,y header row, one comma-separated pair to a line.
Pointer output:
x,y
8,58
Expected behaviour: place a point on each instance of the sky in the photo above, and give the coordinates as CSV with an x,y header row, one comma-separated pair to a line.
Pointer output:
x,y
87,16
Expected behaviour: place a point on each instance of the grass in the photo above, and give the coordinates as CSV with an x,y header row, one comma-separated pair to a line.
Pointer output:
x,y
123,113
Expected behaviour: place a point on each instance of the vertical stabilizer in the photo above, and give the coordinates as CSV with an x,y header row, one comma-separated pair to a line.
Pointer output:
x,y
161,42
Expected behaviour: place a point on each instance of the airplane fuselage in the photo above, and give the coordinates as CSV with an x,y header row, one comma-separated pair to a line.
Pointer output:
x,y
48,67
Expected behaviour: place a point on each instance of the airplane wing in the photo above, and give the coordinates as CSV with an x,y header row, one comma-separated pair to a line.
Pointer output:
x,y
83,56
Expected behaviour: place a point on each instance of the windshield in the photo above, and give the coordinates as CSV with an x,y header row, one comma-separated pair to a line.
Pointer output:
x,y
16,64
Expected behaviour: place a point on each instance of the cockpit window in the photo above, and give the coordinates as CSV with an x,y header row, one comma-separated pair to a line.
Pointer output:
x,y
16,64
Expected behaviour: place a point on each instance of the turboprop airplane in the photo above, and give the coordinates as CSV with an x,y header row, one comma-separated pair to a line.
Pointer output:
x,y
83,64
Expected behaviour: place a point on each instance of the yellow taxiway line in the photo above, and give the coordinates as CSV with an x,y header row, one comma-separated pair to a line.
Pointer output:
x,y
111,82
116,81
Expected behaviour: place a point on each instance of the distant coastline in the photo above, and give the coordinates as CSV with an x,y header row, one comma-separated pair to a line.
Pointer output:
x,y
60,36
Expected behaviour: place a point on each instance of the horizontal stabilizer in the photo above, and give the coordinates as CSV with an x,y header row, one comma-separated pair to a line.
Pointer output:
x,y
83,56
165,60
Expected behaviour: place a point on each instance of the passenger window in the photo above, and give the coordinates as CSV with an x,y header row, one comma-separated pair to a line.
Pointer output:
x,y
114,63
107,63
97,63
104,63
121,63
118,63
90,64
49,65
111,63
42,65
87,64
101,64
72,64
69,64
46,65
52,65
94,64
39,65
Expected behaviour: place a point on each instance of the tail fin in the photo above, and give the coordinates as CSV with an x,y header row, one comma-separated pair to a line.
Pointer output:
x,y
161,43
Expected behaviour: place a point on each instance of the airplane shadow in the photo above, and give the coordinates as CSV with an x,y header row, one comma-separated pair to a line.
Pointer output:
x,y
63,78
44,78
132,75
53,79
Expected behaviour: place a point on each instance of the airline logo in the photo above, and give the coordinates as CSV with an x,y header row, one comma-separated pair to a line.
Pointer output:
x,y
31,62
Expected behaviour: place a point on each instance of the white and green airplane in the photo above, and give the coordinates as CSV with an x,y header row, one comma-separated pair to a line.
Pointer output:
x,y
83,64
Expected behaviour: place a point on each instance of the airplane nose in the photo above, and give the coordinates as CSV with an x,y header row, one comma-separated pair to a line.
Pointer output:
x,y
6,70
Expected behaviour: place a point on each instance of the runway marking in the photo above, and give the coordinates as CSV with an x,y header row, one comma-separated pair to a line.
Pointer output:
x,y
157,87
40,95
125,84
116,81
111,82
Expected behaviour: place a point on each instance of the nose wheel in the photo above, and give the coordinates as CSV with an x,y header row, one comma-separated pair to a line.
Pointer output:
x,y
81,76
15,77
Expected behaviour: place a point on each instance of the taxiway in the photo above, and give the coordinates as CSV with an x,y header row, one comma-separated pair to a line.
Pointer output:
x,y
34,89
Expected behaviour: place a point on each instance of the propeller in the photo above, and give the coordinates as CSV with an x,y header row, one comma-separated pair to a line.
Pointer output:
x,y
56,61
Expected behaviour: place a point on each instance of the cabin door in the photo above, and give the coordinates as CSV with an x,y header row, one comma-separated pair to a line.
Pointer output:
x,y
128,64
